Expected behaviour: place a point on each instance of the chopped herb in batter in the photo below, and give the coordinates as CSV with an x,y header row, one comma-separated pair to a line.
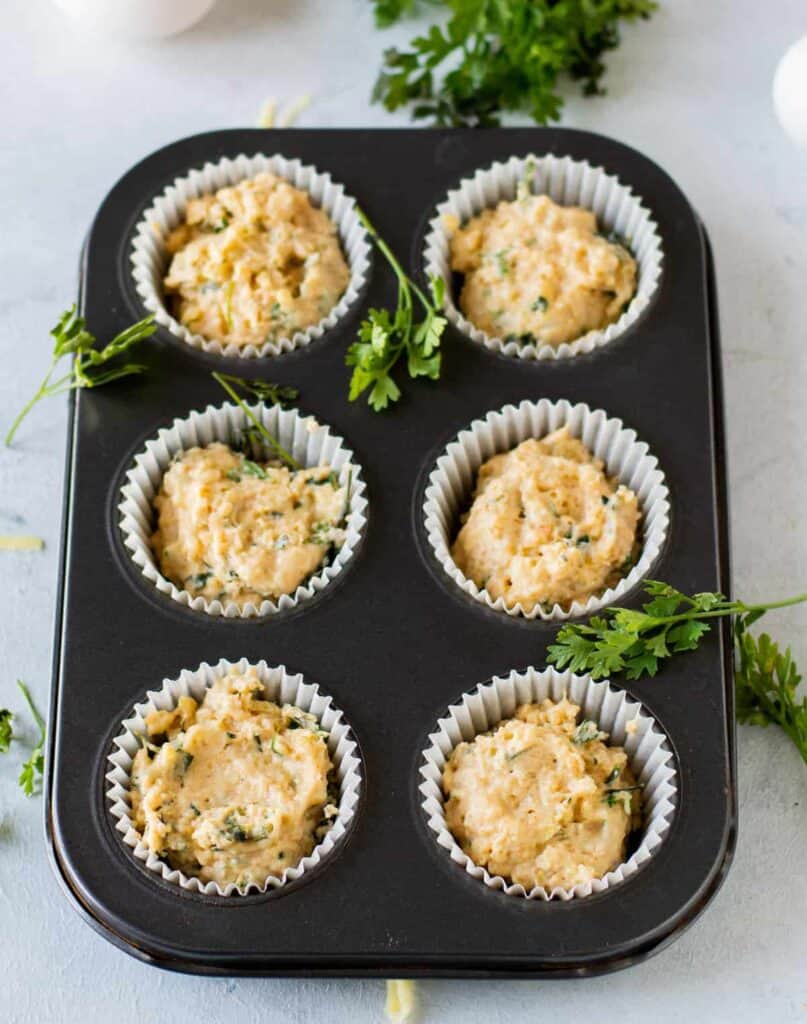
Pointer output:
x,y
321,533
234,829
587,731
249,468
615,797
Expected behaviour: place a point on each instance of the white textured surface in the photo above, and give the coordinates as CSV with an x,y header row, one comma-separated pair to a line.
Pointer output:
x,y
692,89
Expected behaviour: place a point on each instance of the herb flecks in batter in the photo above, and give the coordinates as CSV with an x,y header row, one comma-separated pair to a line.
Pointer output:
x,y
92,366
384,339
238,531
275,254
587,732
534,271
562,830
235,814
537,533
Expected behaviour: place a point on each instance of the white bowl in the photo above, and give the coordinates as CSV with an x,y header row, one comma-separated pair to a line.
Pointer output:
x,y
137,19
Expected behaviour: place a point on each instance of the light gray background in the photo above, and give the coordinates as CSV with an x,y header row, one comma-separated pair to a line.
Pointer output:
x,y
692,89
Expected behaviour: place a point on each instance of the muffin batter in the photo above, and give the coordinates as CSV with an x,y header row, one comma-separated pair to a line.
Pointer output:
x,y
538,272
547,526
233,789
540,800
254,263
236,530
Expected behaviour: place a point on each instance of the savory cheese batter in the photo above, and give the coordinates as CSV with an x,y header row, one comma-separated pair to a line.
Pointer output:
x,y
242,531
538,272
254,263
540,800
233,789
547,526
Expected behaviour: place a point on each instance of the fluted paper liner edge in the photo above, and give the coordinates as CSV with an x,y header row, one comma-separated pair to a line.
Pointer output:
x,y
625,720
452,480
282,687
570,183
149,259
309,442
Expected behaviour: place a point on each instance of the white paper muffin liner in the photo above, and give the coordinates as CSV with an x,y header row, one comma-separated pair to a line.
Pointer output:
x,y
281,687
570,183
150,259
309,442
451,484
628,725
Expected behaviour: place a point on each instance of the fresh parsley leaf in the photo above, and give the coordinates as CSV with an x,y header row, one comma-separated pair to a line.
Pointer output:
x,y
262,390
486,57
90,368
6,731
766,680
384,339
636,643
32,769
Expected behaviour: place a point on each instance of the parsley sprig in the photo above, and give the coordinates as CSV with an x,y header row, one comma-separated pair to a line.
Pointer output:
x,y
488,56
625,640
32,769
262,390
635,642
91,365
766,680
384,339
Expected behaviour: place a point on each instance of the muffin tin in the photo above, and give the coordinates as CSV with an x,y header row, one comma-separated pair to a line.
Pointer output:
x,y
393,639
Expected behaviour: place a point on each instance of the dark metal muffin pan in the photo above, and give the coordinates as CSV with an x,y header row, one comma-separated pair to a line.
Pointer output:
x,y
391,641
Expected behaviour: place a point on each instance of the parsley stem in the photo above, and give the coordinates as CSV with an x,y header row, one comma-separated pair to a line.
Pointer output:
x,y
729,608
71,338
407,285
33,709
21,416
272,441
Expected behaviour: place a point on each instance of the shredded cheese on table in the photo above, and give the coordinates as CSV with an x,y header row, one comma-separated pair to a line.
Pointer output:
x,y
400,1000
270,117
21,543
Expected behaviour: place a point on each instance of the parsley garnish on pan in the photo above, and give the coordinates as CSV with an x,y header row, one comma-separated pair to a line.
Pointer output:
x,y
384,339
633,642
261,390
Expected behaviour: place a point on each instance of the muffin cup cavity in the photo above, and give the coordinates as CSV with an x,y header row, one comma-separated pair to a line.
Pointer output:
x,y
629,726
567,182
309,442
150,259
281,687
451,484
